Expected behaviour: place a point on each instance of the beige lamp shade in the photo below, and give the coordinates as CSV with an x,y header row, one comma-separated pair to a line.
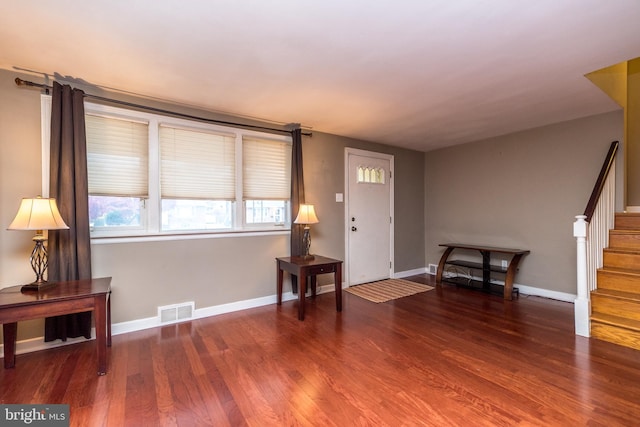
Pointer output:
x,y
306,215
38,214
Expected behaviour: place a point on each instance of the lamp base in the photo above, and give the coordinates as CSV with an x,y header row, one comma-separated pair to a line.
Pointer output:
x,y
36,286
39,263
306,244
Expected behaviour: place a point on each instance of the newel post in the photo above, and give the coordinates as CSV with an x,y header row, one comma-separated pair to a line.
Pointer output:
x,y
582,304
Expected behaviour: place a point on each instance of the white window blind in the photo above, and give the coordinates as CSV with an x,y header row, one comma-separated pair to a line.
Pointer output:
x,y
196,164
266,169
117,157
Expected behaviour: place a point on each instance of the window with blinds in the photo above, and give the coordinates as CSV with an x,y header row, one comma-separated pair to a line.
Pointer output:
x,y
196,164
153,174
118,171
117,157
266,172
266,168
197,179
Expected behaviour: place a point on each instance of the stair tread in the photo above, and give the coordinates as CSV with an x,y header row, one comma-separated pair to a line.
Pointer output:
x,y
628,214
635,296
619,250
616,321
620,270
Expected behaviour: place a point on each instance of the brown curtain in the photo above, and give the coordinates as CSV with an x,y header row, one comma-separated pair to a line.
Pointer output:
x,y
69,250
297,197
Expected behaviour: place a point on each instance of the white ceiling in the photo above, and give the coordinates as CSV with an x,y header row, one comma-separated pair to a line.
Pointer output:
x,y
421,74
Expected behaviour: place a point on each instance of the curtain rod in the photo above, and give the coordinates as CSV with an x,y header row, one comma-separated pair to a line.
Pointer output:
x,y
47,88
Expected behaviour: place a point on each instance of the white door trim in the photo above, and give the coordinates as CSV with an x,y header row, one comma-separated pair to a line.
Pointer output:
x,y
358,152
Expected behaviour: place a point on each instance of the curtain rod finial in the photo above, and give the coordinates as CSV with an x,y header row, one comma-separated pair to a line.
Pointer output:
x,y
20,82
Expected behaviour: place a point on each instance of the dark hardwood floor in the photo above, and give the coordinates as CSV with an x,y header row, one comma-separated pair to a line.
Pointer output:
x,y
448,357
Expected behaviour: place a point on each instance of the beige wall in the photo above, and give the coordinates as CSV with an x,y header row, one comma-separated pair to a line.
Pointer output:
x,y
208,271
324,176
520,191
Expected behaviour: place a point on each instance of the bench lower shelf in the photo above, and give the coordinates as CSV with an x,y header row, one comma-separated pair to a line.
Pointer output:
x,y
476,265
478,285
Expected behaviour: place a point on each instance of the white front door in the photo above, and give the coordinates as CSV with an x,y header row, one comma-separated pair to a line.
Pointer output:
x,y
369,222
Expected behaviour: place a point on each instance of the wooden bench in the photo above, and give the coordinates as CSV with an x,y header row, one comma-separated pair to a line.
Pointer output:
x,y
485,266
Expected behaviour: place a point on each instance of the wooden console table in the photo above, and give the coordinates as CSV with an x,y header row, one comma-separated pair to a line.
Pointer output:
x,y
485,265
57,299
303,268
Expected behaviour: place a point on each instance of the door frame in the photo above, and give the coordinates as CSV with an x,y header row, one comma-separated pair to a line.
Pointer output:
x,y
348,151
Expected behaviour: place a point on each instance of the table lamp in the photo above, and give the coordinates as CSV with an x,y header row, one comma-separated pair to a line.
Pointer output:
x,y
306,216
38,214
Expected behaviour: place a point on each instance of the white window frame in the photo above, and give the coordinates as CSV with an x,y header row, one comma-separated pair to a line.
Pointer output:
x,y
152,212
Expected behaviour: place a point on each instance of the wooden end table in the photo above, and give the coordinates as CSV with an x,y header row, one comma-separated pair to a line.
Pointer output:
x,y
303,268
61,298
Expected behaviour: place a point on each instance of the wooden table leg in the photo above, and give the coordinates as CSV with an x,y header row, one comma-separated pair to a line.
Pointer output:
x,y
313,283
337,277
109,319
10,333
279,274
100,312
302,290
511,274
443,260
486,270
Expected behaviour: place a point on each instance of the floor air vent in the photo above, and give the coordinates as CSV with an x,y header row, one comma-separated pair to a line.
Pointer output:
x,y
176,312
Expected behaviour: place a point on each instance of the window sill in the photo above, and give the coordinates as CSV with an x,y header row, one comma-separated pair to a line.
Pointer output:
x,y
106,240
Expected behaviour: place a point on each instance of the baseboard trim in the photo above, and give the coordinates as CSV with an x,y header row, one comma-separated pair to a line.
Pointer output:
x,y
525,290
36,344
408,273
200,313
546,293
536,292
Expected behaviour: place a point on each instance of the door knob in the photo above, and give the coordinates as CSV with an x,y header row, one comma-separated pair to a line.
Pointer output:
x,y
354,229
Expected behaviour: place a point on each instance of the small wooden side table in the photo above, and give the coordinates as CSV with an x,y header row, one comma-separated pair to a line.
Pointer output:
x,y
64,298
303,268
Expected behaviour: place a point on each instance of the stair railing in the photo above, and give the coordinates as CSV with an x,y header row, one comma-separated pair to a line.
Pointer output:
x,y
591,231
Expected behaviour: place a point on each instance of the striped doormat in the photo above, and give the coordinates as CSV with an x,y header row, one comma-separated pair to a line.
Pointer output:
x,y
387,290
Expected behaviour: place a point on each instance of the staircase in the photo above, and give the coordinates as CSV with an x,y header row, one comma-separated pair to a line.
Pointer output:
x,y
615,305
